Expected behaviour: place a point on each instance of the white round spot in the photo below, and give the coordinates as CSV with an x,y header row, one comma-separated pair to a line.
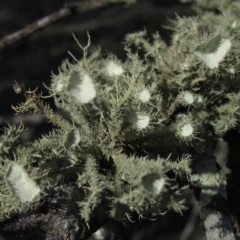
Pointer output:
x,y
188,98
144,95
114,69
186,130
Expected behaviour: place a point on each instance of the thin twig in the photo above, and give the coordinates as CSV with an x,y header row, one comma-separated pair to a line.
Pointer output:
x,y
69,9
34,27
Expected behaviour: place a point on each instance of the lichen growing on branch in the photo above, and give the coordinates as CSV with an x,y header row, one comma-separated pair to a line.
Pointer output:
x,y
132,129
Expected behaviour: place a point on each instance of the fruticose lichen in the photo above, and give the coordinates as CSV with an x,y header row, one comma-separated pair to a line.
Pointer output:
x,y
131,129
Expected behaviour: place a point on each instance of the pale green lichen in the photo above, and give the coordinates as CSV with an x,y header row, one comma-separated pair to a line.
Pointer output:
x,y
129,132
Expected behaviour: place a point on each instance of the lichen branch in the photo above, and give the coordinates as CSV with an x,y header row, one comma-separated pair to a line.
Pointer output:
x,y
35,104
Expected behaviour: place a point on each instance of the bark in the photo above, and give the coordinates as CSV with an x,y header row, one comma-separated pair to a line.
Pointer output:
x,y
54,217
216,220
218,226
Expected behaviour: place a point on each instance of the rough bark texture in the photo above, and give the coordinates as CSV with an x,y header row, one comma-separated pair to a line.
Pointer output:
x,y
216,220
54,217
218,226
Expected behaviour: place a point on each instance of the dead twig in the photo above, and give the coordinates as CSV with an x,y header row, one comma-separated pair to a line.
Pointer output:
x,y
34,27
69,9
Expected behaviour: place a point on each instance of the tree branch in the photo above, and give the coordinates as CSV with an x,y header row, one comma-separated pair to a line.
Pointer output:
x,y
54,217
216,220
218,226
69,9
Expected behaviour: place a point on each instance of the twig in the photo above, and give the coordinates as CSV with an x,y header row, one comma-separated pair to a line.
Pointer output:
x,y
68,10
33,27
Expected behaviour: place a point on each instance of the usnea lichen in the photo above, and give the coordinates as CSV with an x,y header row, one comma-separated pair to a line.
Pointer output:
x,y
131,129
